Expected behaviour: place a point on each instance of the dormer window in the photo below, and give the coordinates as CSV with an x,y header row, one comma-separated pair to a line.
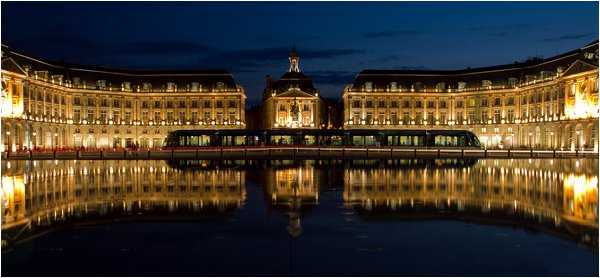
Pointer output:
x,y
545,74
171,87
195,86
393,86
41,74
76,81
529,78
440,86
486,83
512,82
126,86
560,70
101,84
368,86
147,86
57,78
220,85
462,86
419,86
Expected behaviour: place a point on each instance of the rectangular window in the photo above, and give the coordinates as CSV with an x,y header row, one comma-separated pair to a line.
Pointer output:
x,y
103,116
406,118
76,116
116,117
443,104
497,117
484,102
90,116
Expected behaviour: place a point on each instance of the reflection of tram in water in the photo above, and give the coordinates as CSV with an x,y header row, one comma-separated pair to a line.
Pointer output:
x,y
506,193
306,137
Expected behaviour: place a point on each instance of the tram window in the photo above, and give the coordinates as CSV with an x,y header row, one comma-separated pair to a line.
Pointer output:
x,y
335,141
281,139
239,140
451,141
357,140
370,140
405,141
309,139
419,141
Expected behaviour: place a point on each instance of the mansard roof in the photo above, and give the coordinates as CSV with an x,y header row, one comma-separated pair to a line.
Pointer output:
x,y
208,79
294,80
473,77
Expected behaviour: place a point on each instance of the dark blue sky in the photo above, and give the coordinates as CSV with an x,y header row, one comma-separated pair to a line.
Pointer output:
x,y
334,40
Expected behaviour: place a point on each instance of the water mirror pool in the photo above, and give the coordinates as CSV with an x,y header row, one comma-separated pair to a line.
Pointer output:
x,y
364,217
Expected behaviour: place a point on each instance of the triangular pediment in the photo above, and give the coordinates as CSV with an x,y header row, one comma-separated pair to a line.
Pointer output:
x,y
295,93
8,64
578,67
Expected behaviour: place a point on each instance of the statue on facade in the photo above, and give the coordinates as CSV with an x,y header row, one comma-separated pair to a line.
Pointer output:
x,y
295,111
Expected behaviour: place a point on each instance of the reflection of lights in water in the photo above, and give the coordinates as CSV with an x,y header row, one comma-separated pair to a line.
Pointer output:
x,y
13,190
581,185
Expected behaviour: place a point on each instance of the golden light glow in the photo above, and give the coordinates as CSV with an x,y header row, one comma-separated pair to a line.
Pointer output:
x,y
581,196
581,106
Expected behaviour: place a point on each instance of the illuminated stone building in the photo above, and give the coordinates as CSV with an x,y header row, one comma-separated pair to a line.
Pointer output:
x,y
292,101
541,103
50,105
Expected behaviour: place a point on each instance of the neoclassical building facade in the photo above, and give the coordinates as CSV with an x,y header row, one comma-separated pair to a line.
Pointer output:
x,y
51,105
292,101
541,103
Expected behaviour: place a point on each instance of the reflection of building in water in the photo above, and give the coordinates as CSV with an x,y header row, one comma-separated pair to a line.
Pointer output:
x,y
581,198
293,189
49,191
538,189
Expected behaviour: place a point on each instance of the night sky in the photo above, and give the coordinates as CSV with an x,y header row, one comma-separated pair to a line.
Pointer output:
x,y
334,40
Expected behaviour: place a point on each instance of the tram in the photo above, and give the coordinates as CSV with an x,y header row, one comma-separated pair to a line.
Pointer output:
x,y
331,138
